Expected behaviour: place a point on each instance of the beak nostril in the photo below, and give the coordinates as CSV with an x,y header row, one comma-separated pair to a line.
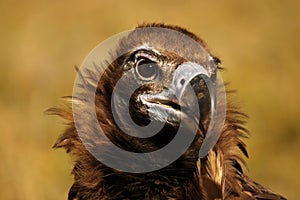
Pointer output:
x,y
182,81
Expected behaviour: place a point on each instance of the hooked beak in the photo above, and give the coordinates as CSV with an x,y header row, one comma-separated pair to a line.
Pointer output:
x,y
181,96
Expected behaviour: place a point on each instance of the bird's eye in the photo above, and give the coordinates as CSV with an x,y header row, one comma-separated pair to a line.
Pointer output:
x,y
147,69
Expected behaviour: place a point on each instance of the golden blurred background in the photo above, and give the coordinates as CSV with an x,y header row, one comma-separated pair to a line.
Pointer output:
x,y
41,41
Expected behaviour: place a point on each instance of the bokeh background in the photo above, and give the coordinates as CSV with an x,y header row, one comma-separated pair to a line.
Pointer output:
x,y
41,41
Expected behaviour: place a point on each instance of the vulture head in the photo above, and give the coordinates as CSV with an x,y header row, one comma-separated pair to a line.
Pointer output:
x,y
166,130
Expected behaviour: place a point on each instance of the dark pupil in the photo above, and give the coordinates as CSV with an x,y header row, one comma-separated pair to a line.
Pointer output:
x,y
147,70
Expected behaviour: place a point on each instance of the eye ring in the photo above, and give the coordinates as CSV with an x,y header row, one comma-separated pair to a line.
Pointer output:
x,y
146,69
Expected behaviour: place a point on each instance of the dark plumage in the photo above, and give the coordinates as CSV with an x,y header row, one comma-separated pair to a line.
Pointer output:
x,y
219,175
